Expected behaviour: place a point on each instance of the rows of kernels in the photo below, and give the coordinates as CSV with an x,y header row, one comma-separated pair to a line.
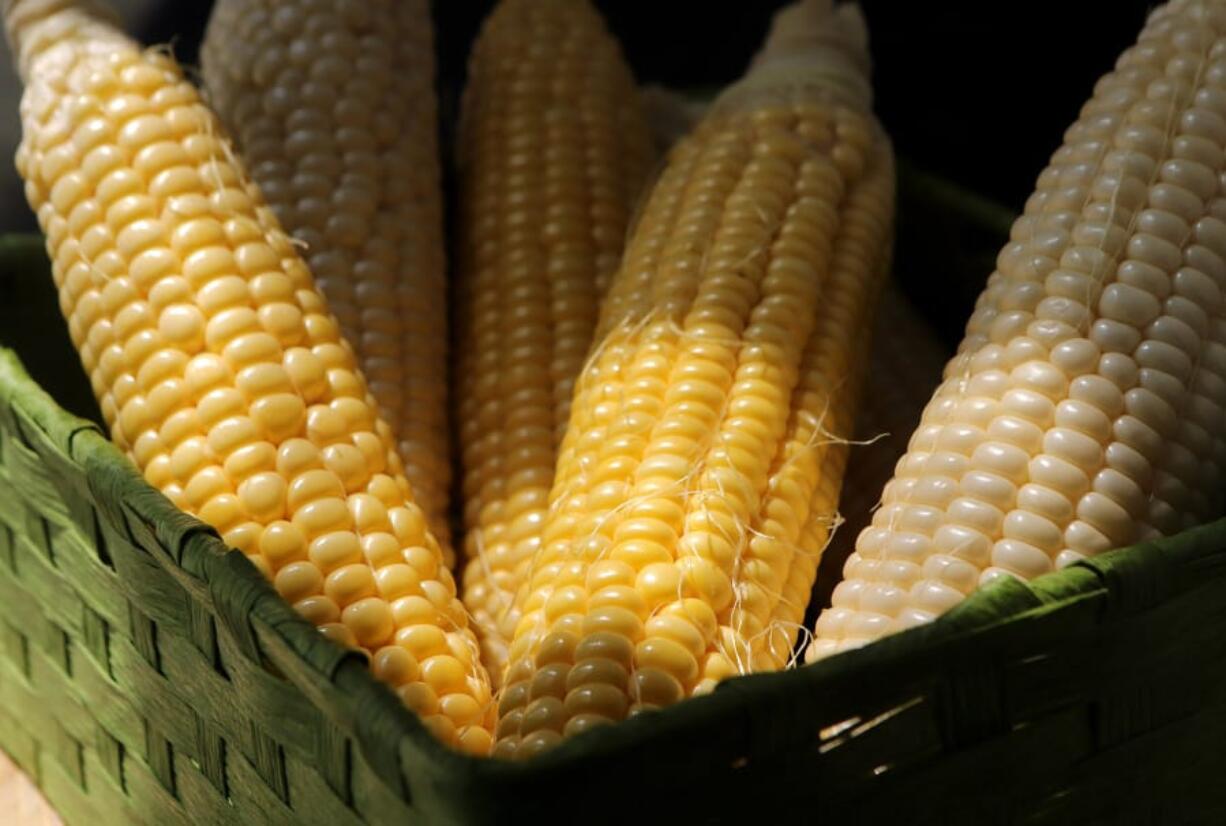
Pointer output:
x,y
905,365
728,490
777,647
691,384
1189,473
1042,444
738,348
333,110
620,399
803,492
1158,342
220,370
553,150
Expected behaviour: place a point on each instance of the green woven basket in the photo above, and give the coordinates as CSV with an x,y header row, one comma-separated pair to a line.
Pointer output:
x,y
147,675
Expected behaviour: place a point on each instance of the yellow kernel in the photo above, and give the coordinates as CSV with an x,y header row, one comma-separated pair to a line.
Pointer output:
x,y
370,620
281,415
598,670
704,580
263,496
397,580
614,620
298,580
318,610
380,549
350,583
419,697
395,666
444,674
476,740
549,681
655,687
312,485
282,543
605,701
462,709
422,641
369,514
338,633
333,550
544,713
441,728
679,630
659,582
557,647
605,645
414,610
667,656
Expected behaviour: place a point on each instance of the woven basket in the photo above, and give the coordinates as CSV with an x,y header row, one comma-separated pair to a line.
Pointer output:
x,y
147,675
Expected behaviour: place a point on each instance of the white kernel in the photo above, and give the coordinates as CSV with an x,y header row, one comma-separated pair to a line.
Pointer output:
x,y
1085,418
1114,336
1129,305
1119,368
1029,405
1020,558
1086,539
1145,277
1045,502
963,542
1072,446
989,488
1149,408
1106,516
1017,432
979,516
1137,435
934,596
1075,357
1176,332
1059,475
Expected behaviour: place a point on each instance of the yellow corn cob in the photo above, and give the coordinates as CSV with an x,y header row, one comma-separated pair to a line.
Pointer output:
x,y
692,491
904,365
1084,408
216,362
553,152
333,110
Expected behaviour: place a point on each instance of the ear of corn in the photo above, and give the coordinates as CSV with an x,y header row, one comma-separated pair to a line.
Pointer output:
x,y
216,362
332,108
699,472
553,151
1083,410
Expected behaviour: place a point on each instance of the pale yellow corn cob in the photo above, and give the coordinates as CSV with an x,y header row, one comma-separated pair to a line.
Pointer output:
x,y
553,153
1084,409
216,362
690,494
332,108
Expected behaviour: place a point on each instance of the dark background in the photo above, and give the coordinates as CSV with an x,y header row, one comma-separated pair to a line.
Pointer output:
x,y
979,91
975,91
